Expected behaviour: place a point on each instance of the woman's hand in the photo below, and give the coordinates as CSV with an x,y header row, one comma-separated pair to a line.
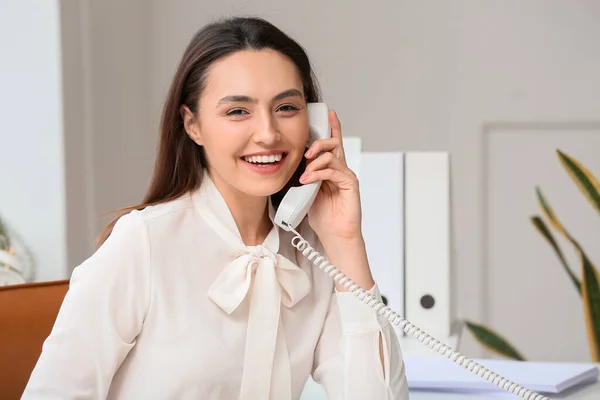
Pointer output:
x,y
335,215
336,212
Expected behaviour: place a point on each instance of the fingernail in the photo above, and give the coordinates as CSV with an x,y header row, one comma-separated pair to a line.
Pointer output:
x,y
308,153
303,177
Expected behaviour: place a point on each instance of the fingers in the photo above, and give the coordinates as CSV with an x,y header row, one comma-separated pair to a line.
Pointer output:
x,y
336,125
334,144
340,179
328,167
322,145
325,160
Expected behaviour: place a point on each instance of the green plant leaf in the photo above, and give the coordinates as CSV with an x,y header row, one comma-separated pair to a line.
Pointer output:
x,y
540,225
549,214
583,178
591,306
589,283
4,236
493,341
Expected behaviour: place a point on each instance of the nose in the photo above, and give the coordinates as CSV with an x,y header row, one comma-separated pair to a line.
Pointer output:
x,y
266,132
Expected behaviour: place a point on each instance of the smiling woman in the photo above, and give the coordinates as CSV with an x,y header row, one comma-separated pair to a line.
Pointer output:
x,y
253,105
195,292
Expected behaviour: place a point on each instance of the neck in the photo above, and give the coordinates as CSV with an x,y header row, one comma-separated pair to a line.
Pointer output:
x,y
250,213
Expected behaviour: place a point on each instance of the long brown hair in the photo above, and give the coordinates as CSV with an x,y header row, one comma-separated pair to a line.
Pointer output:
x,y
180,162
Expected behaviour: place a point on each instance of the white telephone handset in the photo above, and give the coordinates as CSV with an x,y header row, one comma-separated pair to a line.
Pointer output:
x,y
297,201
292,210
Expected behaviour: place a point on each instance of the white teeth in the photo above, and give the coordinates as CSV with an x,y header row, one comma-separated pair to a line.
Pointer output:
x,y
264,159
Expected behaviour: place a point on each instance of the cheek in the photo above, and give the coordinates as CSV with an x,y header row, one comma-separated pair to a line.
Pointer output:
x,y
223,138
296,133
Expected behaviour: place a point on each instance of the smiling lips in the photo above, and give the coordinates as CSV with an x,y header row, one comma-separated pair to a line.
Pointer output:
x,y
266,163
264,159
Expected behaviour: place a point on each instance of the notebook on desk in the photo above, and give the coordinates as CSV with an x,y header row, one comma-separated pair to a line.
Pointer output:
x,y
436,373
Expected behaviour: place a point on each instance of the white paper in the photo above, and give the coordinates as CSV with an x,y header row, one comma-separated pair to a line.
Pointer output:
x,y
545,377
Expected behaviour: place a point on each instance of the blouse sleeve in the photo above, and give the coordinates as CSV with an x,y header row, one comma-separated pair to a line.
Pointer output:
x,y
352,369
99,319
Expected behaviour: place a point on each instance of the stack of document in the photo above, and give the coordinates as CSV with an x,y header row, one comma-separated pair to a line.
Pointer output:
x,y
437,373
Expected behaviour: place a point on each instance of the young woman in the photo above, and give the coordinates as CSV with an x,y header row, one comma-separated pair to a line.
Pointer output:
x,y
195,293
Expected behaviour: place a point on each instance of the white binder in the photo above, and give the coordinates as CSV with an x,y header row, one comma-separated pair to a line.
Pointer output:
x,y
427,241
352,150
381,179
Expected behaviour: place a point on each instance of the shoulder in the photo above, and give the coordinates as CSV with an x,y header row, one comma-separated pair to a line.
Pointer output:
x,y
166,210
127,244
121,261
131,238
161,219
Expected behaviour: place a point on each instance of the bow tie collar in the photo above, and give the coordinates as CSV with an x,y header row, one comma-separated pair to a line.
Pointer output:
x,y
271,280
234,283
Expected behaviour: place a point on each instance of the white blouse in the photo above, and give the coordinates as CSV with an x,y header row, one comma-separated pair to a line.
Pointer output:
x,y
174,306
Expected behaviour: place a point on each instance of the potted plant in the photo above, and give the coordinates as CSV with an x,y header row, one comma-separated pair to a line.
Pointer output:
x,y
14,267
588,286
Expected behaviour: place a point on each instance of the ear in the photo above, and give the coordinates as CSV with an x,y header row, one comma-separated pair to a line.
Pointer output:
x,y
190,124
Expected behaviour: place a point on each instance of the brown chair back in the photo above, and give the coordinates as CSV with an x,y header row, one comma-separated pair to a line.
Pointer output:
x,y
27,315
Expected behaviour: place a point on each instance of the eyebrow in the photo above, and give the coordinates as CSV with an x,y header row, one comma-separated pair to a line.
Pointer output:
x,y
248,99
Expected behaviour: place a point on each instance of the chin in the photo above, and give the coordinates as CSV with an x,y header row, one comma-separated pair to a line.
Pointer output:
x,y
263,188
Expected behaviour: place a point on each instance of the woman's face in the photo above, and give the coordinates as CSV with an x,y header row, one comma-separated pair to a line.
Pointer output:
x,y
252,121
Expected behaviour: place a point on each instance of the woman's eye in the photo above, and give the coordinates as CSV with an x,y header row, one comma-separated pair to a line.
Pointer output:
x,y
288,108
236,112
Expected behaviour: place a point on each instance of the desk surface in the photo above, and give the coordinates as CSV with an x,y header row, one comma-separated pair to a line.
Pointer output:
x,y
410,346
583,392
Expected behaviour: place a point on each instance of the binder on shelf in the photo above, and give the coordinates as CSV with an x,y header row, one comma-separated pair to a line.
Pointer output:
x,y
352,150
381,179
427,241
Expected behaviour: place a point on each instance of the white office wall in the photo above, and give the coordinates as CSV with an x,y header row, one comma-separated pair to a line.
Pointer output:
x,y
32,184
